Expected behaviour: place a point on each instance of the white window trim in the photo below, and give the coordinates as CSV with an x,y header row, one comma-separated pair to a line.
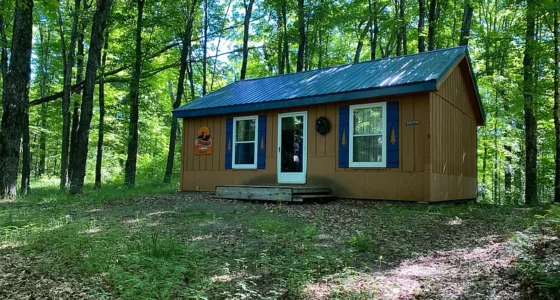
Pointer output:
x,y
234,138
383,163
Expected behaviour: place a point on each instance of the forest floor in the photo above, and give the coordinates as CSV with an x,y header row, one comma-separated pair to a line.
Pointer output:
x,y
157,243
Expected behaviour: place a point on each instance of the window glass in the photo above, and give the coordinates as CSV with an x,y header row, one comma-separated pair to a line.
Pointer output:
x,y
245,130
245,142
367,135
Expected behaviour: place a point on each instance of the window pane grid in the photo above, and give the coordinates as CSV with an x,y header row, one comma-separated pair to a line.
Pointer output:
x,y
367,135
245,142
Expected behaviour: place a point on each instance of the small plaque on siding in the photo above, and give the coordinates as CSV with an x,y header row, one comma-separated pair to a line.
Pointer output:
x,y
412,123
203,142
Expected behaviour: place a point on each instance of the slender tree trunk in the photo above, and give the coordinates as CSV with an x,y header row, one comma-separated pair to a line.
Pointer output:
x,y
484,163
68,58
398,32
530,121
402,20
204,47
26,155
132,157
246,25
15,97
280,33
101,129
286,40
185,52
361,38
76,111
421,25
302,37
375,31
44,62
556,107
466,24
320,59
94,53
432,24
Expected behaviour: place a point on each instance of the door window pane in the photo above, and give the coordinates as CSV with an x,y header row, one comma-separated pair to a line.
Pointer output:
x,y
292,144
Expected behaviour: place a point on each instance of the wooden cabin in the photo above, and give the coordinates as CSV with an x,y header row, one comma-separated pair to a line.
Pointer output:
x,y
402,128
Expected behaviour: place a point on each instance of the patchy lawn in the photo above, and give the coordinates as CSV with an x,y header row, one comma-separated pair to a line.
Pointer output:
x,y
116,243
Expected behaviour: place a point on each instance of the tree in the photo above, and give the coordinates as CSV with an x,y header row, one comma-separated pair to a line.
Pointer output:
x,y
68,59
432,25
130,169
101,130
466,24
421,24
528,95
246,24
15,97
185,52
82,136
302,36
556,106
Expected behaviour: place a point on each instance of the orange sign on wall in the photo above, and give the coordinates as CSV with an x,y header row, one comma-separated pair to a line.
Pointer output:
x,y
203,142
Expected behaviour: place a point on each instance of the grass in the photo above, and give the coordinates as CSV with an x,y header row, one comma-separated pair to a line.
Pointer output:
x,y
152,242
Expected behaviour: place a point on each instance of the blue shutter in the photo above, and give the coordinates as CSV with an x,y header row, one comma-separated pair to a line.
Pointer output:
x,y
343,134
261,141
229,142
393,134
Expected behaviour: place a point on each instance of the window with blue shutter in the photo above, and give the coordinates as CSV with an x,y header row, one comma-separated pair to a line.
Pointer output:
x,y
229,142
343,130
393,134
369,135
261,158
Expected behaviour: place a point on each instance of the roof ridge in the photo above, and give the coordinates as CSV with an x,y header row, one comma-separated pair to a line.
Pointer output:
x,y
349,64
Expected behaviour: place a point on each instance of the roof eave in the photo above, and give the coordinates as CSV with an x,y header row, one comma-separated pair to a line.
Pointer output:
x,y
426,86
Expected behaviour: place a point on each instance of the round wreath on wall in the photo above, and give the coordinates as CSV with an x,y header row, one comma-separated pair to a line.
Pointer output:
x,y
322,125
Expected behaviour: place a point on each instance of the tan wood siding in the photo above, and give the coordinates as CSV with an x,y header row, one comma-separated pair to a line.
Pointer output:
x,y
453,141
408,182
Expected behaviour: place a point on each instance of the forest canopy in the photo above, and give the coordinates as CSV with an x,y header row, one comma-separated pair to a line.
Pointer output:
x,y
89,95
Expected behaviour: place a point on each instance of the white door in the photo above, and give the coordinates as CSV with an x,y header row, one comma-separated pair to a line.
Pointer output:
x,y
292,147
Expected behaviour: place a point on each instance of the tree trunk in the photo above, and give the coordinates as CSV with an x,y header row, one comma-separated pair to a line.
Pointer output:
x,y
132,157
320,59
302,37
185,51
94,53
26,155
281,57
374,33
44,63
402,20
361,38
466,25
204,48
530,121
76,111
68,59
398,32
421,24
101,129
556,107
432,24
247,22
15,97
3,45
286,51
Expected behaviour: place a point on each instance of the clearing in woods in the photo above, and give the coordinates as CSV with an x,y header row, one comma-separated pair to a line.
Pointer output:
x,y
156,243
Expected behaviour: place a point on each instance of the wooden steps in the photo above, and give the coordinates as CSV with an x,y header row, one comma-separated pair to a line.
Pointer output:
x,y
273,193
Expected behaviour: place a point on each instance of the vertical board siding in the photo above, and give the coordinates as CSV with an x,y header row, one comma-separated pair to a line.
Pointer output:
x,y
343,134
410,181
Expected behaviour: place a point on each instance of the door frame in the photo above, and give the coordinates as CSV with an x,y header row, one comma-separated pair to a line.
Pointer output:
x,y
293,178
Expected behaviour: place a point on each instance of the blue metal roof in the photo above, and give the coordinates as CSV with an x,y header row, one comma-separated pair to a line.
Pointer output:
x,y
391,76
